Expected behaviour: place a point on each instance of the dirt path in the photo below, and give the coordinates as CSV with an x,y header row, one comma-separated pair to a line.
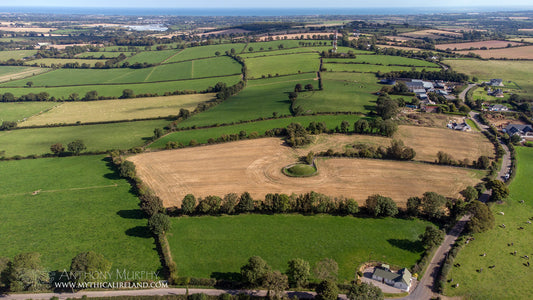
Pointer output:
x,y
23,74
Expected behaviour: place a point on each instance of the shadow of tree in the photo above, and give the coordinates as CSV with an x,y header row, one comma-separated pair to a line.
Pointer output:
x,y
405,244
131,214
139,231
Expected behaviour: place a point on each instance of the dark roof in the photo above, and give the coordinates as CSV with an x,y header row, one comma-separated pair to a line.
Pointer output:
x,y
518,128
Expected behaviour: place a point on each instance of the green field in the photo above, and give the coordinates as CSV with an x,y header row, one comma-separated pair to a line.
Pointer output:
x,y
384,60
510,278
113,110
202,135
96,137
115,90
517,71
48,62
282,64
103,54
186,70
82,205
366,68
205,51
13,70
219,246
16,54
341,92
16,111
260,99
151,57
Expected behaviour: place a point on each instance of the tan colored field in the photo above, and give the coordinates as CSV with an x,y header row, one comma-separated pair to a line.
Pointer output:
x,y
523,39
399,38
225,31
23,74
488,44
255,166
525,29
402,48
27,29
432,33
122,109
516,52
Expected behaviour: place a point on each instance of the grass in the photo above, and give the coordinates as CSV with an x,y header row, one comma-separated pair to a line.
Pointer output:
x,y
16,111
202,135
116,90
384,60
48,62
341,92
219,246
82,206
16,54
260,99
12,70
205,51
151,57
122,109
508,280
300,170
517,71
282,65
96,137
103,54
367,68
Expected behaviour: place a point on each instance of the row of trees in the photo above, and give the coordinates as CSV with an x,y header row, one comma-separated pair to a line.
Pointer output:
x,y
74,148
396,151
25,271
446,75
443,158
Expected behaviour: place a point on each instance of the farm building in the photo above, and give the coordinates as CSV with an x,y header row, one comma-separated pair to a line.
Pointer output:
x,y
400,280
459,126
496,82
519,129
498,107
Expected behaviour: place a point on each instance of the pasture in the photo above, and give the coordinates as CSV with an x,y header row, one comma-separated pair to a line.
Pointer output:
x,y
260,99
16,54
186,70
525,52
115,90
205,51
151,57
57,62
64,206
509,278
367,68
103,54
17,111
202,135
282,65
341,92
517,71
8,73
488,44
256,167
96,137
218,246
113,110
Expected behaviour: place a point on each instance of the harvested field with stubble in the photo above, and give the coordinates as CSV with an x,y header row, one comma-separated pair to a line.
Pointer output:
x,y
525,52
255,166
488,44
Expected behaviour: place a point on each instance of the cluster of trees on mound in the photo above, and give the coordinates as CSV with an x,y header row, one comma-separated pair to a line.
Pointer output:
x,y
396,151
25,272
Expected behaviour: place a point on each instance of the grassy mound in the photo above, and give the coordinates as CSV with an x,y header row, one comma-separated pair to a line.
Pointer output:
x,y
300,170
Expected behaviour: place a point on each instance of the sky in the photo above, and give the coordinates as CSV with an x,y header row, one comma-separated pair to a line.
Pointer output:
x,y
258,4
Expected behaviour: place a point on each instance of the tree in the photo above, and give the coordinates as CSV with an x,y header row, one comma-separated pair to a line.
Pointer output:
x,y
297,135
387,127
188,204
482,218
276,283
298,272
361,126
76,147
158,132
151,204
251,49
246,203
483,162
254,271
413,206
229,203
57,149
378,205
29,84
364,291
293,96
327,290
348,206
399,151
432,237
8,125
4,272
345,126
26,273
127,169
297,88
159,223
91,95
217,53
470,193
326,269
386,107
87,266
209,205
127,93
499,190
309,87
433,204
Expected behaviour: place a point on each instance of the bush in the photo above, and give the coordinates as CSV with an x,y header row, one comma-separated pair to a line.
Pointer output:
x,y
201,296
159,223
327,290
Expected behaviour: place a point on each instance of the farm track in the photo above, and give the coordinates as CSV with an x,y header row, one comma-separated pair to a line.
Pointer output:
x,y
24,74
62,190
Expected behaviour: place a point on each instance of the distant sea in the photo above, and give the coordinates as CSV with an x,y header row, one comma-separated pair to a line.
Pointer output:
x,y
257,11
